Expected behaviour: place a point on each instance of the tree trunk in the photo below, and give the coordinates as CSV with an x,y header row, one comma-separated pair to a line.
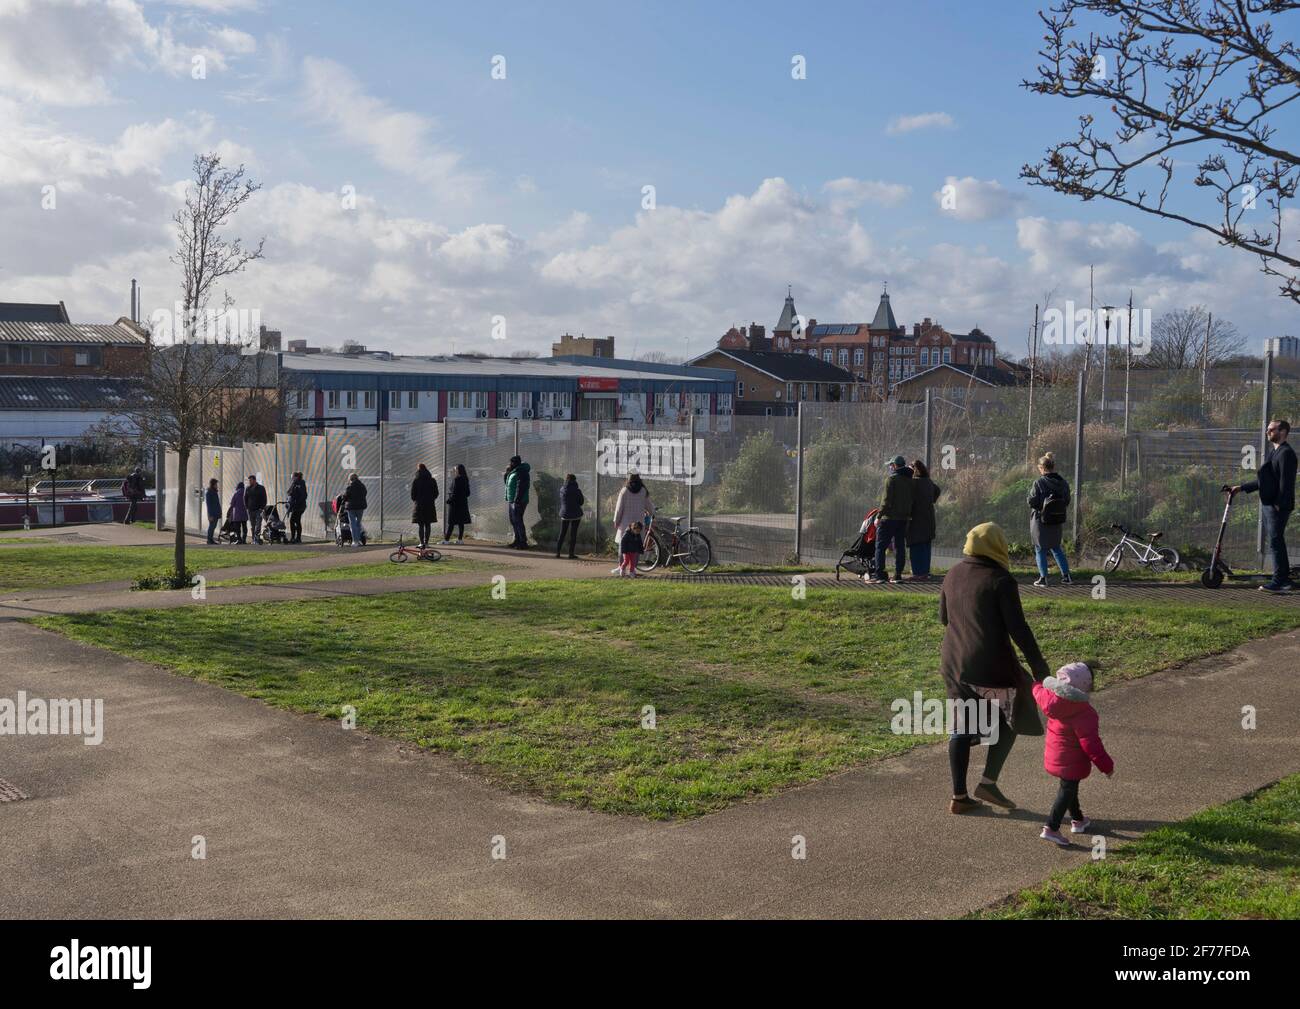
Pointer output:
x,y
182,492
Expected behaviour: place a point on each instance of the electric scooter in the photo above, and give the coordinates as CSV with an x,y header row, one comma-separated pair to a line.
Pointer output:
x,y
1212,577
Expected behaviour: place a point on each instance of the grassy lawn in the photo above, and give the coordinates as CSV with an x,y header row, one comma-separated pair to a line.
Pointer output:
x,y
544,690
378,569
1238,860
50,567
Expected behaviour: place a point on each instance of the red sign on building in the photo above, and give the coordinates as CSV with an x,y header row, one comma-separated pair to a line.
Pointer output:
x,y
592,383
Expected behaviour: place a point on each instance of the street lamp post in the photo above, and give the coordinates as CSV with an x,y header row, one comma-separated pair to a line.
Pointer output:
x,y
1106,312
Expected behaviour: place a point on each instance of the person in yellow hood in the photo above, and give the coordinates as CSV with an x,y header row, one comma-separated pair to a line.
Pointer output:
x,y
979,606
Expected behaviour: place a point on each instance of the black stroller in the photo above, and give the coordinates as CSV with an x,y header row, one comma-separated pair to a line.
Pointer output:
x,y
230,530
273,527
860,558
342,525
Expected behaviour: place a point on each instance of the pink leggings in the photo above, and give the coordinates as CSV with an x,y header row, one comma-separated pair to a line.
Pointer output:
x,y
628,562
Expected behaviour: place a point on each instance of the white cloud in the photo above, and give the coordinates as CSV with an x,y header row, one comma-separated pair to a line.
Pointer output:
x,y
399,140
920,121
849,194
971,199
64,52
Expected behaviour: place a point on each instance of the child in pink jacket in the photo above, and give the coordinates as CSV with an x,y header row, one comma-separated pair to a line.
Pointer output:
x,y
1073,744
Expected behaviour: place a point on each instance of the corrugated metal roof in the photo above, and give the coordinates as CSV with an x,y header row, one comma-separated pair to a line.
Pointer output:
x,y
21,392
68,332
496,367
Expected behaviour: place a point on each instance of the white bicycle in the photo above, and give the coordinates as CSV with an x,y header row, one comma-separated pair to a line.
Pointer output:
x,y
1159,559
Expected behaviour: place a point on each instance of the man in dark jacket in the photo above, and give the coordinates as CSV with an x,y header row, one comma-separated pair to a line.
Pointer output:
x,y
354,498
212,499
518,480
895,513
979,606
296,500
1275,481
255,501
133,490
571,502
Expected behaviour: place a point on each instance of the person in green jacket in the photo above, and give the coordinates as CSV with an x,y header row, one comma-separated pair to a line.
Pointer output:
x,y
518,479
895,513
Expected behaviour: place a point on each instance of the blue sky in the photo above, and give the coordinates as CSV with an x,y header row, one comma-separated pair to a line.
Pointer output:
x,y
522,197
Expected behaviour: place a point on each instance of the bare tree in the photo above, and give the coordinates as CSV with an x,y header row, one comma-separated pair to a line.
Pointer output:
x,y
1178,340
520,355
196,367
660,357
1185,84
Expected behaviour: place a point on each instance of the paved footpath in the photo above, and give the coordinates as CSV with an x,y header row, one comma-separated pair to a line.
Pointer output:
x,y
303,818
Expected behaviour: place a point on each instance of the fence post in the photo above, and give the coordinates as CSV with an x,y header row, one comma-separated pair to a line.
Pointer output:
x,y
595,519
1263,446
798,486
159,486
446,484
929,429
516,451
690,480
1078,463
381,476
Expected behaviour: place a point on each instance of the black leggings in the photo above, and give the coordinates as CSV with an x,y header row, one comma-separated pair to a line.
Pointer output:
x,y
1067,797
959,756
456,525
569,526
295,527
426,530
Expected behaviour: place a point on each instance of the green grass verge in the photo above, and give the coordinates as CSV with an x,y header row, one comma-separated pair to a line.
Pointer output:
x,y
1238,860
50,567
545,690
378,569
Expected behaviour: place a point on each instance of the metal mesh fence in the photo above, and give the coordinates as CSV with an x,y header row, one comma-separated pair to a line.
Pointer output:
x,y
1153,460
483,447
305,454
405,446
846,450
553,449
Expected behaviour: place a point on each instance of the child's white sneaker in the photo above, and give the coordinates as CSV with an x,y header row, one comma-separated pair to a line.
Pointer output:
x,y
1080,826
1055,836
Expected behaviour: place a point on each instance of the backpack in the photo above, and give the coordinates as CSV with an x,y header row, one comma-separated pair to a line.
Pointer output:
x,y
1054,510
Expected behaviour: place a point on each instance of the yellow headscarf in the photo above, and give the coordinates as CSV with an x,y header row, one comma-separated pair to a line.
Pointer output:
x,y
988,540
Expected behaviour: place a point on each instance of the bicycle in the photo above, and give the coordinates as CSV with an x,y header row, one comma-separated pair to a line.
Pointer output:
x,y
400,555
1159,559
689,547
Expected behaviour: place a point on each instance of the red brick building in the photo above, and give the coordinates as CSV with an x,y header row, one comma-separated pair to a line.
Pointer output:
x,y
879,353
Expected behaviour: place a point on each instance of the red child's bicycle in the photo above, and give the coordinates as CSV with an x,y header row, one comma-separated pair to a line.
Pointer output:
x,y
400,555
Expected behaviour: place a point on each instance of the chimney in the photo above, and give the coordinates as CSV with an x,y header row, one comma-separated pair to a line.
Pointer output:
x,y
134,310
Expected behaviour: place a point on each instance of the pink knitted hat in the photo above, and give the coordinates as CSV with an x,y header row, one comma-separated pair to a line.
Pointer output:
x,y
1077,675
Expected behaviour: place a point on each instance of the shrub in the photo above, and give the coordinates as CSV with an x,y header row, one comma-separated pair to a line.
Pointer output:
x,y
758,479
167,578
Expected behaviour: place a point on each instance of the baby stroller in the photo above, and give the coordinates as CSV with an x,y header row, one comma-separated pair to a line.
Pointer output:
x,y
229,531
342,526
860,559
273,527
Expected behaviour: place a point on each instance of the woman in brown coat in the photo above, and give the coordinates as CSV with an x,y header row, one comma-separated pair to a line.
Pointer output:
x,y
979,607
